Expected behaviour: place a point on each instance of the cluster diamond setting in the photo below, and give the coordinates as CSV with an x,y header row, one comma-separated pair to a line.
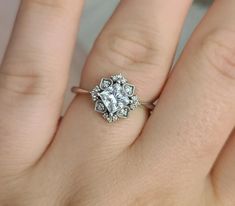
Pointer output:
x,y
114,97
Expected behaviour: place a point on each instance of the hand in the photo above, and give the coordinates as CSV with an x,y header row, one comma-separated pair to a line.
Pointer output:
x,y
181,155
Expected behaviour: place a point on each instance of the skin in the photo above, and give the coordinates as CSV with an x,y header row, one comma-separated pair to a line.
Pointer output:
x,y
181,155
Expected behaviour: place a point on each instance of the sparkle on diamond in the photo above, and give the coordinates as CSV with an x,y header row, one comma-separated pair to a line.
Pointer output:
x,y
114,98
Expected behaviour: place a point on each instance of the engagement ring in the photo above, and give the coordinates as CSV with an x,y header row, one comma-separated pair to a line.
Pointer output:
x,y
114,98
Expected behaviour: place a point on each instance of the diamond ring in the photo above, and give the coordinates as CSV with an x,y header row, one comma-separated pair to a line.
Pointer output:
x,y
114,97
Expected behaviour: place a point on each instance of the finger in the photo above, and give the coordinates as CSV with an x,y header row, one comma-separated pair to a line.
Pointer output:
x,y
196,111
223,174
137,44
33,77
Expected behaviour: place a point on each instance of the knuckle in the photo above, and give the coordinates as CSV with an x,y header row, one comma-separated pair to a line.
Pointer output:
x,y
50,8
218,47
46,3
135,50
25,74
128,46
22,81
20,84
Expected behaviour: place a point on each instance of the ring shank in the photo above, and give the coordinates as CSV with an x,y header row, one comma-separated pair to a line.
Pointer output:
x,y
78,90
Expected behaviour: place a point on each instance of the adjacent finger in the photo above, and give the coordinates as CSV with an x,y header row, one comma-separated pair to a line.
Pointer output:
x,y
223,174
33,77
137,43
196,112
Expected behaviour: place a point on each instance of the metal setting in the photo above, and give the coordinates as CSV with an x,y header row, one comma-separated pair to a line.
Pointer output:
x,y
114,98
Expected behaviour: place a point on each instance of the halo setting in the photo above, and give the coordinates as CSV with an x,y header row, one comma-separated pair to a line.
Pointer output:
x,y
114,97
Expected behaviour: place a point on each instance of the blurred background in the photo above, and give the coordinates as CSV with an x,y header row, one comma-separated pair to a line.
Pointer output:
x,y
95,15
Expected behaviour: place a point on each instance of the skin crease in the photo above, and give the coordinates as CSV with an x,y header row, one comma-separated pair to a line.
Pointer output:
x,y
180,155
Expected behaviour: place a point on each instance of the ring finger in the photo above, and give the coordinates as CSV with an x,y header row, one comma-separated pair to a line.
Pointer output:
x,y
139,41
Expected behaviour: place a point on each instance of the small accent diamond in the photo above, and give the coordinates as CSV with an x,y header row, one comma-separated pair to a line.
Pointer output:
x,y
129,89
99,107
105,83
123,113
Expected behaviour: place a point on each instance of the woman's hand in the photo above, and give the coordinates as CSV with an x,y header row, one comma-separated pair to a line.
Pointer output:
x,y
182,155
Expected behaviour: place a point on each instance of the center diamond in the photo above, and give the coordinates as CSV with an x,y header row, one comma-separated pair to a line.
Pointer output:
x,y
114,98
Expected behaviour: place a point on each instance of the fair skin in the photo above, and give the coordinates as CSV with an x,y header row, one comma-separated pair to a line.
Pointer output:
x,y
181,155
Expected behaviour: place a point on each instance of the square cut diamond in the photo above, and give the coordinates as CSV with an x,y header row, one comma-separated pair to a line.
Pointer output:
x,y
114,98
